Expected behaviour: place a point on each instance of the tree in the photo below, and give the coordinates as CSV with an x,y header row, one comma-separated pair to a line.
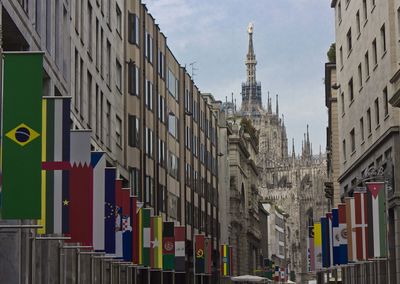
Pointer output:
x,y
332,53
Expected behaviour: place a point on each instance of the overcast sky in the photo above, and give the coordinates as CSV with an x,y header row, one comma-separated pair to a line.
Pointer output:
x,y
291,38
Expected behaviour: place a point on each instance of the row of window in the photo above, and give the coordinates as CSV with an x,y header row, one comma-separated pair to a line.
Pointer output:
x,y
383,47
364,10
200,219
368,124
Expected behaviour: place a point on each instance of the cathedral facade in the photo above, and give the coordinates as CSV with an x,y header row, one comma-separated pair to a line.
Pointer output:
x,y
294,183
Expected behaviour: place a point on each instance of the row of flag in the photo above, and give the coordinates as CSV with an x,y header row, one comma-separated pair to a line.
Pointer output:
x,y
50,174
354,231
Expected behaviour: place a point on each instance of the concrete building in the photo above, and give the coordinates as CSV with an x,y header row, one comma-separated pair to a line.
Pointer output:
x,y
332,187
144,111
367,35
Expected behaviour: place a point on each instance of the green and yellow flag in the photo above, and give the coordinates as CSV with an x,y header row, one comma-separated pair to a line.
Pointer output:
x,y
21,132
156,258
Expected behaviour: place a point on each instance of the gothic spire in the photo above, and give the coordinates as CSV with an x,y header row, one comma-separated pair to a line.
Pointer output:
x,y
293,152
251,57
277,106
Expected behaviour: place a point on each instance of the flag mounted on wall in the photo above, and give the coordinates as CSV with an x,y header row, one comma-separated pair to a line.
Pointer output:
x,y
22,135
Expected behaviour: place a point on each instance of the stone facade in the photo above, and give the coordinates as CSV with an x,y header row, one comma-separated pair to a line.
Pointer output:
x,y
292,183
367,50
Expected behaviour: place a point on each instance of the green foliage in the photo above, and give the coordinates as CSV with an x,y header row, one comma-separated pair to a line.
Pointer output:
x,y
332,53
249,128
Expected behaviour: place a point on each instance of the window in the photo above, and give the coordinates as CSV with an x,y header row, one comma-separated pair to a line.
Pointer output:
x,y
119,19
108,128
362,129
342,99
351,90
90,35
161,60
383,39
172,85
377,111
133,29
149,47
118,130
188,137
352,140
358,22
339,12
349,43
89,98
118,75
385,102
366,60
369,121
161,108
148,190
149,95
173,125
161,197
133,131
365,11
135,183
398,22
360,80
344,149
161,152
133,80
108,63
374,52
48,25
173,165
38,15
149,142
341,56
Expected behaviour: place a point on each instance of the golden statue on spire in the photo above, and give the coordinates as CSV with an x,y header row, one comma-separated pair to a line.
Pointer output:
x,y
250,28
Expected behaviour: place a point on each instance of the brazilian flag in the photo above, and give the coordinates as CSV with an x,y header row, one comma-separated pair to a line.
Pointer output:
x,y
21,132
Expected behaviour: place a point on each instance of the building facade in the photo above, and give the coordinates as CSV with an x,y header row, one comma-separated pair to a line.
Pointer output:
x,y
367,36
332,187
145,113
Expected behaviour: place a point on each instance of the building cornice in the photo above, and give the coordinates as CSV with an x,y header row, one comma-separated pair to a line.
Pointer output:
x,y
390,132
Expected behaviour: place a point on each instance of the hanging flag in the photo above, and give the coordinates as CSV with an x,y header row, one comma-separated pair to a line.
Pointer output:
x,y
231,260
325,242
342,234
311,265
145,212
98,163
156,249
79,158
80,196
376,196
361,225
330,237
136,230
126,225
109,211
225,261
351,233
276,276
21,132
282,276
335,236
199,254
207,255
55,161
317,246
180,253
118,218
168,246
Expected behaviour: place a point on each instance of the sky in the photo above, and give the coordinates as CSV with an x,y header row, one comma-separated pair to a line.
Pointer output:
x,y
291,38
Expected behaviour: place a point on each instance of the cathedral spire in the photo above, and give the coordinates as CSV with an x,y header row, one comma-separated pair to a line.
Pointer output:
x,y
277,106
293,152
251,57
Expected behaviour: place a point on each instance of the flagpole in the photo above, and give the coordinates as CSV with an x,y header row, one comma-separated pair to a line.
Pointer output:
x,y
194,259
